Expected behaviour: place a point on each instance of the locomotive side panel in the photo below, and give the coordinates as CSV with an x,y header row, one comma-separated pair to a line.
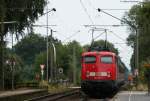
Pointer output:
x,y
121,69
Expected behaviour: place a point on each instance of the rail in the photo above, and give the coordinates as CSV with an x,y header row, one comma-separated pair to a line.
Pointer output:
x,y
56,96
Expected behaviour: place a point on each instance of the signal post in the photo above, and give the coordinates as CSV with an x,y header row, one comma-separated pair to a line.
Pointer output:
x,y
42,71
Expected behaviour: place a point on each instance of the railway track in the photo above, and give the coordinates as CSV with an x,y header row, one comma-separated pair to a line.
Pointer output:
x,y
56,96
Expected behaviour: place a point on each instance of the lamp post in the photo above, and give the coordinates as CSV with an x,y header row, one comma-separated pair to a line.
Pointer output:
x,y
47,26
53,9
136,31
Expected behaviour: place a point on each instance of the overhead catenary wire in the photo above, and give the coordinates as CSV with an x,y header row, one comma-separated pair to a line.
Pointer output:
x,y
108,9
128,53
107,25
23,8
103,29
91,4
118,43
117,36
123,47
85,9
61,34
129,1
115,18
99,35
68,38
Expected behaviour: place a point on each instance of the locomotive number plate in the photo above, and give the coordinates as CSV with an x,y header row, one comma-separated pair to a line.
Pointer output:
x,y
101,74
92,73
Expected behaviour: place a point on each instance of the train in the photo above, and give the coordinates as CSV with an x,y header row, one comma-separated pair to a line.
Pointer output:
x,y
102,73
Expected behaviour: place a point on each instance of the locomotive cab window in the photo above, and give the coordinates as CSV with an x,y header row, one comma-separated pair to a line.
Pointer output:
x,y
106,59
89,59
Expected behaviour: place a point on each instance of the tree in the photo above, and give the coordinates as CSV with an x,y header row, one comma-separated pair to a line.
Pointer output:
x,y
13,67
64,59
101,43
41,58
74,53
139,16
25,12
28,47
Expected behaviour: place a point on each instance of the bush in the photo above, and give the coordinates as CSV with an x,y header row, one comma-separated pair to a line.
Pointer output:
x,y
43,84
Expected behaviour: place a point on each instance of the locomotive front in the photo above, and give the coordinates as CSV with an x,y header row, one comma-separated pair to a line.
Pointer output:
x,y
99,74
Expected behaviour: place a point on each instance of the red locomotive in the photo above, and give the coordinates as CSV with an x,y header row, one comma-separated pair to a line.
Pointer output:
x,y
102,74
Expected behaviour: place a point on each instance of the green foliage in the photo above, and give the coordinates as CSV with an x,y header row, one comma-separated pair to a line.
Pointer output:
x,y
24,12
101,43
16,67
75,46
139,16
32,49
43,84
144,71
74,54
28,47
40,59
27,73
132,63
64,56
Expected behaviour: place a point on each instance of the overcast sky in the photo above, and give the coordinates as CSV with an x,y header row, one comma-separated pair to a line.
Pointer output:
x,y
71,16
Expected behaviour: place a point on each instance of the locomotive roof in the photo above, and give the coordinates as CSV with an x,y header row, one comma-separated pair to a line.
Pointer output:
x,y
100,53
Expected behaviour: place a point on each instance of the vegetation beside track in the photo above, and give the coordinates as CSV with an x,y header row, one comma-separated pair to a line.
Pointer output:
x,y
54,87
133,87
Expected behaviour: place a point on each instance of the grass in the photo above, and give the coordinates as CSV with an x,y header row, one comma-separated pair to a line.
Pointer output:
x,y
139,87
57,88
53,88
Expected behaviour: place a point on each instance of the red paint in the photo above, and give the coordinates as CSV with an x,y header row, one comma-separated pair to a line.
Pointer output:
x,y
99,68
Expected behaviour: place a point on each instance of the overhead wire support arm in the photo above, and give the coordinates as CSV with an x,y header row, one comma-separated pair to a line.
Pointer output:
x,y
48,11
124,21
100,10
53,9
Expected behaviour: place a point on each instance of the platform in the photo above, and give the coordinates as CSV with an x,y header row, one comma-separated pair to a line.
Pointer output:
x,y
20,94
